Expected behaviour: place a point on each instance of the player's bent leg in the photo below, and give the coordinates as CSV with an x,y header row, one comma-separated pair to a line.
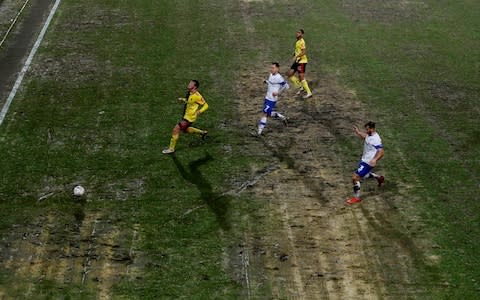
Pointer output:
x,y
301,75
262,124
202,133
306,88
380,179
356,177
173,140
176,129
290,73
276,114
356,189
303,82
304,85
173,143
268,107
295,81
193,130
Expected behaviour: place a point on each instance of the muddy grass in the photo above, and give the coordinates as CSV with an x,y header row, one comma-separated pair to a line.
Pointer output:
x,y
86,248
307,243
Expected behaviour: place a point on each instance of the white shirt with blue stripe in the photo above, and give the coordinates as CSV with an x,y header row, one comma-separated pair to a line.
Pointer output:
x,y
372,144
276,84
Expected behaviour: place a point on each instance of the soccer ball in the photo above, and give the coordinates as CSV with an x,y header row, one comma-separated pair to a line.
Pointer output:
x,y
79,190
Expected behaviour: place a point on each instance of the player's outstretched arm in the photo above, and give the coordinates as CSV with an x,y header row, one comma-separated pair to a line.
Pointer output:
x,y
360,134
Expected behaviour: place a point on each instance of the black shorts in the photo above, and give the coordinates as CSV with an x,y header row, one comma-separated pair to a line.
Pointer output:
x,y
184,124
299,67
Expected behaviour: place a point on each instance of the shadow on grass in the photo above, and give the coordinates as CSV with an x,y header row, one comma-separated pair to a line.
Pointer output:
x,y
217,203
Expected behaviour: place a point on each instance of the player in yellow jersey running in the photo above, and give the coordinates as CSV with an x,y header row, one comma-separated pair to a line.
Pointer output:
x,y
194,106
299,65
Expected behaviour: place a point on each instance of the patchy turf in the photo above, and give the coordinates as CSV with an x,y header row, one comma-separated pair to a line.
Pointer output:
x,y
98,108
237,216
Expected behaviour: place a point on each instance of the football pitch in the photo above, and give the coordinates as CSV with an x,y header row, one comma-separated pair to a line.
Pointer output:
x,y
237,216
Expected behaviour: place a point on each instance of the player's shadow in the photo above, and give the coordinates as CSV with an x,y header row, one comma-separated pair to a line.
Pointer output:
x,y
217,203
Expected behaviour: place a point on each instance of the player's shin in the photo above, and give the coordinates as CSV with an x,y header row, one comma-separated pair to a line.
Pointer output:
x,y
173,141
306,87
261,124
295,81
356,189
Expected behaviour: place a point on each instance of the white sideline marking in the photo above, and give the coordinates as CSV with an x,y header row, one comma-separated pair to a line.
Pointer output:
x,y
13,23
24,70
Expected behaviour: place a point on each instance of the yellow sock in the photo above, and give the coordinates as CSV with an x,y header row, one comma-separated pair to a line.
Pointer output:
x,y
295,81
173,141
195,130
306,88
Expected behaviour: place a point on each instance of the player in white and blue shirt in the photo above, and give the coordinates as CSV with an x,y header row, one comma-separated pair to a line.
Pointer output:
x,y
372,152
275,86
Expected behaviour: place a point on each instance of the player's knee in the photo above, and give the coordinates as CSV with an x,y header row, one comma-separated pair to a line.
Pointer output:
x,y
355,177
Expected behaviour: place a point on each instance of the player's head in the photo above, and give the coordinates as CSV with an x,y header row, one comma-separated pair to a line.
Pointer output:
x,y
193,85
275,67
300,33
370,127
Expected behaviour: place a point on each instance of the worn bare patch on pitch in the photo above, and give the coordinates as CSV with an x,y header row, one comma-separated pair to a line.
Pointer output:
x,y
311,245
70,64
87,250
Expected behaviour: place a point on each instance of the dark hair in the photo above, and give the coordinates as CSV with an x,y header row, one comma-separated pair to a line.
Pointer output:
x,y
197,84
276,64
302,31
370,124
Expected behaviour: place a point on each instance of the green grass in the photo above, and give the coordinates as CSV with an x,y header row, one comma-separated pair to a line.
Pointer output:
x,y
419,79
102,116
104,122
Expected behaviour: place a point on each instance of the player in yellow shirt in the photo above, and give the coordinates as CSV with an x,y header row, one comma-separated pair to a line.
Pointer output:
x,y
194,106
299,65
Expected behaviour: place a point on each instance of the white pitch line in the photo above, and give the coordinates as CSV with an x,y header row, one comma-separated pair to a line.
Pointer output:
x,y
13,23
24,70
